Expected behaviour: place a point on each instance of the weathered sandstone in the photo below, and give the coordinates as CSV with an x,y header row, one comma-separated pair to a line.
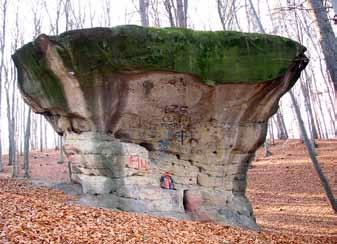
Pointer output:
x,y
135,102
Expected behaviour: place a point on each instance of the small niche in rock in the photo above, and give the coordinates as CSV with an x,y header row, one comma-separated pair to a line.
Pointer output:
x,y
178,156
185,201
148,146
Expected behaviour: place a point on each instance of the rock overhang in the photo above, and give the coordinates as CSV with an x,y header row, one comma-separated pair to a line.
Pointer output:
x,y
215,57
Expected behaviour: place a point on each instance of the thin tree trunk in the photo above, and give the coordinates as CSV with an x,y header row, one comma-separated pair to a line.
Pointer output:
x,y
45,135
266,144
328,41
9,121
256,17
182,13
61,160
2,63
324,181
15,162
41,135
168,8
307,100
282,131
56,141
144,12
267,153
22,129
155,12
271,132
26,146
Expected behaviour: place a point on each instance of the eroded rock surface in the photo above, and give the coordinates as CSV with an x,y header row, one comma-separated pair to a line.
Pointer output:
x,y
135,102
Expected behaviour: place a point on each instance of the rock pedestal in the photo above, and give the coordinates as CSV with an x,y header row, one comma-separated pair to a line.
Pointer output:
x,y
136,102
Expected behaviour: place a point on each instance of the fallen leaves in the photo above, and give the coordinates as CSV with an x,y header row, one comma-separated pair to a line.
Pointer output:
x,y
286,193
41,215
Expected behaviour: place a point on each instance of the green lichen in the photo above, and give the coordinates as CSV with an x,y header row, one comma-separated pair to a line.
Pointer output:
x,y
221,57
35,79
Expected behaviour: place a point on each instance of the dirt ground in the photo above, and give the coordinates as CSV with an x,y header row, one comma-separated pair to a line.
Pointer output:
x,y
284,190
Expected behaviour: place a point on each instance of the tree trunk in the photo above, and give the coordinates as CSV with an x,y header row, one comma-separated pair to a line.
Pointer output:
x,y
328,41
2,63
144,12
41,135
227,12
182,13
256,17
267,153
168,8
45,134
15,162
307,102
324,181
9,121
281,128
61,160
26,146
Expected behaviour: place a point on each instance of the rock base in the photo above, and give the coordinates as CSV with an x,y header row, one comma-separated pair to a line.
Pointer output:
x,y
126,176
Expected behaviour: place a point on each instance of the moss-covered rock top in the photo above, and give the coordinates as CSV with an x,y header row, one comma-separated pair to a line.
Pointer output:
x,y
216,57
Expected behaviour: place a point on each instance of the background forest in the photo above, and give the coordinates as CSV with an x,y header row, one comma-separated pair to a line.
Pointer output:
x,y
310,22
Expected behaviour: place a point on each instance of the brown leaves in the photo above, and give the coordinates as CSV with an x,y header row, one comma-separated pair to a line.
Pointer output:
x,y
41,215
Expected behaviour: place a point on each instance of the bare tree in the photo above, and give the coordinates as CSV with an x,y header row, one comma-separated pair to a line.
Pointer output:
x,y
144,12
54,24
67,12
155,14
328,40
182,7
26,145
227,11
177,12
61,160
169,7
41,134
324,181
255,18
2,63
106,13
280,125
10,81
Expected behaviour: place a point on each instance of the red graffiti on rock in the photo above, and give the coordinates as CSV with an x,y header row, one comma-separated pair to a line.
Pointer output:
x,y
136,162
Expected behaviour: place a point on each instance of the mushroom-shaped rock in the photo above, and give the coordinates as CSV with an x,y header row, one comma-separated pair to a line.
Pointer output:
x,y
135,102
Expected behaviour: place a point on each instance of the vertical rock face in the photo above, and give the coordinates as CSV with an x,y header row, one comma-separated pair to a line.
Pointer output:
x,y
136,102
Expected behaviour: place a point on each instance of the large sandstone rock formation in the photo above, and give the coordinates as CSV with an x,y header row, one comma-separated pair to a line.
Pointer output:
x,y
135,102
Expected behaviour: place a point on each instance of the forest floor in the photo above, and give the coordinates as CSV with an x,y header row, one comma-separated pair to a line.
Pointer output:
x,y
284,190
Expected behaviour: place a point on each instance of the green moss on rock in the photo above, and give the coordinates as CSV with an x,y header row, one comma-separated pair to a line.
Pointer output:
x,y
35,79
216,57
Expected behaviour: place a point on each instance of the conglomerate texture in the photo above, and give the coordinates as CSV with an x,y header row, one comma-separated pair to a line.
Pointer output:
x,y
136,102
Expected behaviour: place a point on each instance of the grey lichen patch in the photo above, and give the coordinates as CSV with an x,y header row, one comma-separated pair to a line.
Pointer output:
x,y
216,57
